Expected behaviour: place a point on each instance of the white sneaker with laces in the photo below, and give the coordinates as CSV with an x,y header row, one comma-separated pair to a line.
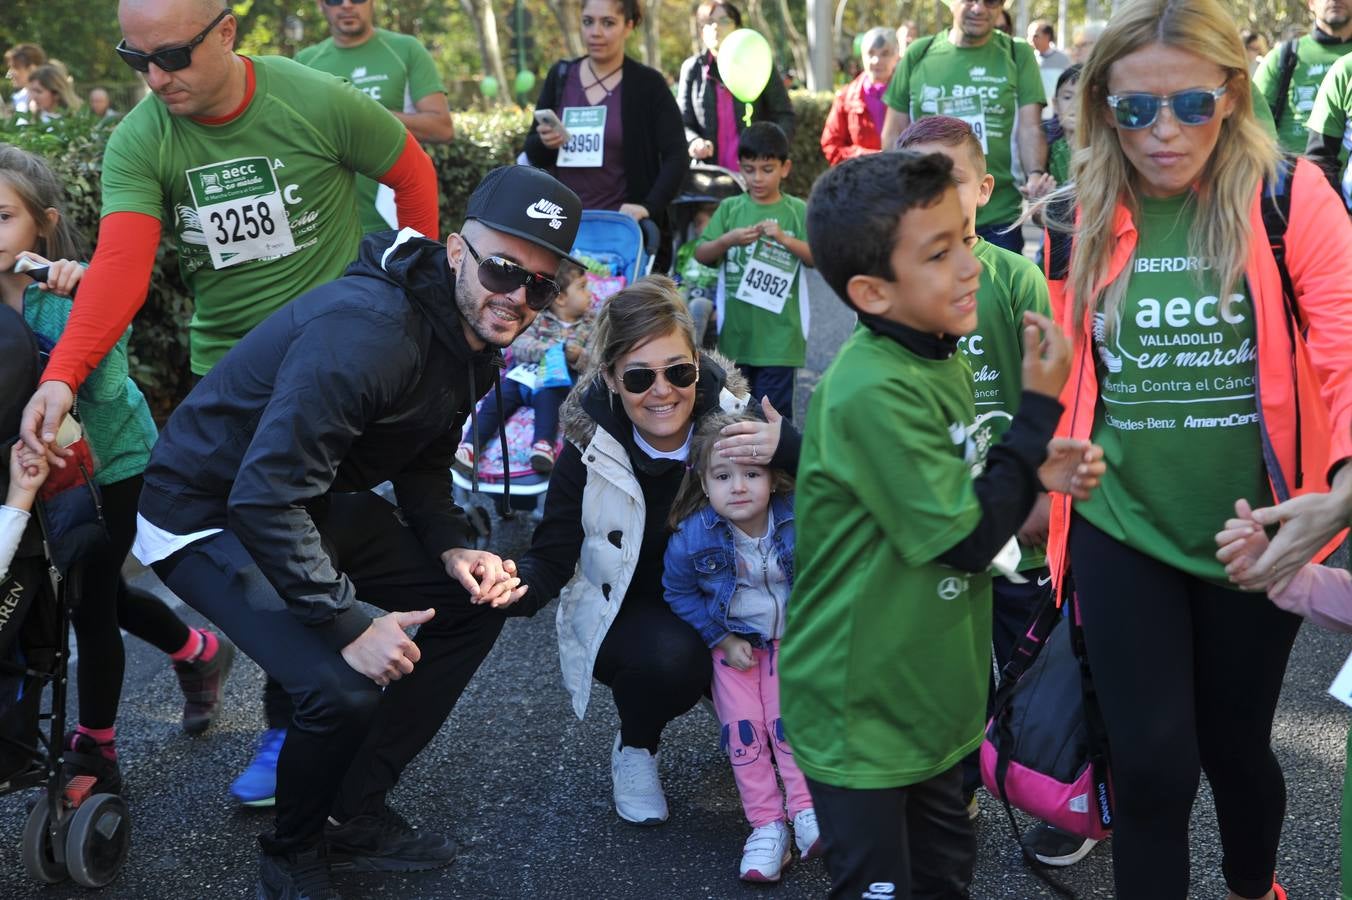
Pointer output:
x,y
638,790
766,853
807,835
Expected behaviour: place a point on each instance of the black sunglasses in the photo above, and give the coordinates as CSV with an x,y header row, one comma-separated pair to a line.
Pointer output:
x,y
678,375
168,59
1136,111
340,2
502,276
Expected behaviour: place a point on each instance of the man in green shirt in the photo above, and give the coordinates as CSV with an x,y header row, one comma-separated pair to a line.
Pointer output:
x,y
1290,75
1330,128
981,75
393,69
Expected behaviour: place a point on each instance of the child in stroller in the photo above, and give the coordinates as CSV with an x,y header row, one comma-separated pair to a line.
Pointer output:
x,y
701,192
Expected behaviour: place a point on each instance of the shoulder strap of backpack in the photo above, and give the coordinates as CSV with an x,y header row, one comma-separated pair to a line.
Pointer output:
x,y
1095,730
1286,69
924,43
1276,207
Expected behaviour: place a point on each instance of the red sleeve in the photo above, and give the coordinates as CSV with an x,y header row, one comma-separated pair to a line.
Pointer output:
x,y
414,181
110,293
836,133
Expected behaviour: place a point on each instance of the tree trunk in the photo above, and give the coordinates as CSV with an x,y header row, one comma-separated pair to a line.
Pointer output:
x,y
652,47
486,28
797,44
569,16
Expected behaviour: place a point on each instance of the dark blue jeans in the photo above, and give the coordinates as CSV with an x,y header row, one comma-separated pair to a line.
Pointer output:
x,y
1011,241
545,402
775,382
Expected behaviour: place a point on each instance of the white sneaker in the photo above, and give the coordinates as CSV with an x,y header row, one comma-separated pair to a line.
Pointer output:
x,y
638,790
807,835
766,853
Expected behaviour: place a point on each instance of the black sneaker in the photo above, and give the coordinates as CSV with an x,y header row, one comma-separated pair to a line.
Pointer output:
x,y
386,843
201,683
295,876
1056,847
82,757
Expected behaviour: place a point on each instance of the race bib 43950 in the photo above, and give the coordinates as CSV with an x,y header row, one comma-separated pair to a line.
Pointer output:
x,y
241,211
586,146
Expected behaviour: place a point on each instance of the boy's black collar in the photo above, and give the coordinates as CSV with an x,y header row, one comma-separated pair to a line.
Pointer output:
x,y
922,344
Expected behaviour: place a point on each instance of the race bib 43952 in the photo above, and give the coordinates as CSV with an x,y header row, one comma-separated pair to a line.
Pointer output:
x,y
241,211
768,277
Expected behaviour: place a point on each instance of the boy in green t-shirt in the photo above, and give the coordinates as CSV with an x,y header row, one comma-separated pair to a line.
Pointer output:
x,y
887,645
757,241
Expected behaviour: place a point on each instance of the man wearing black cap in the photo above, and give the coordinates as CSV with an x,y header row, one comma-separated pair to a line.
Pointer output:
x,y
257,512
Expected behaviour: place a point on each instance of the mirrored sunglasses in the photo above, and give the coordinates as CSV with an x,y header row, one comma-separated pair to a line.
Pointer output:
x,y
1192,107
502,276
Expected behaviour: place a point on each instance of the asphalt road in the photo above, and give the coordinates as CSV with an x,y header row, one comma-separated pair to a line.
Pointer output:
x,y
525,787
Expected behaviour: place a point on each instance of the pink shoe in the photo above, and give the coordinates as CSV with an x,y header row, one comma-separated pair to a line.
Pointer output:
x,y
542,457
464,460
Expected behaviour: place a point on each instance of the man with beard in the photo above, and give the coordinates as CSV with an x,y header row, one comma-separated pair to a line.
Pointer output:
x,y
257,513
981,75
1290,75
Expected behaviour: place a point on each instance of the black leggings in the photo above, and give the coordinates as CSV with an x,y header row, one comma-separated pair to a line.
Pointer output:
x,y
1188,676
106,603
656,666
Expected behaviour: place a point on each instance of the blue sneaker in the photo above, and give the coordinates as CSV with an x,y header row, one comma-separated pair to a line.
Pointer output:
x,y
257,785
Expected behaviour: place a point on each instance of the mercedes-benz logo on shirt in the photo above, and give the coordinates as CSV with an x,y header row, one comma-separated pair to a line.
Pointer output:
x,y
950,588
545,209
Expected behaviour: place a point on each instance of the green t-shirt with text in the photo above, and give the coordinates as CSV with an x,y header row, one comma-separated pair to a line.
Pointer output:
x,y
262,207
752,334
396,71
1177,415
1313,61
1011,284
984,86
1330,117
886,652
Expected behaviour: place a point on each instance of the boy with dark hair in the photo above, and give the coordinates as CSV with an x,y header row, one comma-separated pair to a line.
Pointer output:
x,y
888,641
758,242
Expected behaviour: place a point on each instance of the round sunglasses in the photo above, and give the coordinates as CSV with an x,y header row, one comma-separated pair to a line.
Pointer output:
x,y
502,276
1191,107
167,59
678,375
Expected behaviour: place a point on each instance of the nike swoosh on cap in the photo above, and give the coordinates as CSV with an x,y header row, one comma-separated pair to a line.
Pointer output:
x,y
543,209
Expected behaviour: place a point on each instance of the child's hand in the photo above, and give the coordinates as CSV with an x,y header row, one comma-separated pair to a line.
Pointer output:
x,y
1072,467
62,274
27,472
1038,186
1046,355
572,351
740,237
770,228
1242,541
737,652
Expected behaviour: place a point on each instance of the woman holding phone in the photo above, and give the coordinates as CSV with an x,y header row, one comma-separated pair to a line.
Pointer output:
x,y
599,99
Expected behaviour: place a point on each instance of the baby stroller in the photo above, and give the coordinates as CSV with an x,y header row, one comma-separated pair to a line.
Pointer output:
x,y
704,187
70,831
618,250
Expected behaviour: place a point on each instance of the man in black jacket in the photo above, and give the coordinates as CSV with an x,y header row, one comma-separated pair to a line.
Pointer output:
x,y
257,511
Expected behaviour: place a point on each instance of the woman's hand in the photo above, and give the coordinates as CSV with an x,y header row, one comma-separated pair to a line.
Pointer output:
x,y
1307,523
750,442
737,653
1073,467
636,211
550,136
1037,186
701,149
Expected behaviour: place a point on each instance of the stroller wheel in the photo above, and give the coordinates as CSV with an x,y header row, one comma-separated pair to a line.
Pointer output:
x,y
97,840
38,851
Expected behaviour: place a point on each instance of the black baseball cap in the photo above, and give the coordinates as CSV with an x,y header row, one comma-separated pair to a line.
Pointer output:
x,y
531,204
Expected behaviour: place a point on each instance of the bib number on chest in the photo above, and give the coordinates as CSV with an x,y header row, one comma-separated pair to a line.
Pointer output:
x,y
971,110
768,277
241,211
585,147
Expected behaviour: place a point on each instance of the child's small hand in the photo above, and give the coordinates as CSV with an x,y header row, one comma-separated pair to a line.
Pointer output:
x,y
27,472
1242,541
740,237
1046,355
770,228
737,652
572,351
63,275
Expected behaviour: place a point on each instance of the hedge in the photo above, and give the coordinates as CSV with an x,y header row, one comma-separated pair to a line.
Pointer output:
x,y
159,345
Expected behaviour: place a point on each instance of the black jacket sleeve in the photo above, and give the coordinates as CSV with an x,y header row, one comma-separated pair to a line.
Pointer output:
x,y
1323,150
775,106
688,100
423,490
1009,485
539,155
303,434
668,138
557,544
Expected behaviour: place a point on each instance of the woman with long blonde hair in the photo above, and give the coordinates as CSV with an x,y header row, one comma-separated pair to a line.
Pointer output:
x,y
1202,387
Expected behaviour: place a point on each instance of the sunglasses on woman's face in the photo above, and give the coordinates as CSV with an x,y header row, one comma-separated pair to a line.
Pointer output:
x,y
502,276
1193,107
168,59
678,375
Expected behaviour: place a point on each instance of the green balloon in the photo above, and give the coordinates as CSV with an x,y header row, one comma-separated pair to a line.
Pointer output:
x,y
525,80
744,64
488,86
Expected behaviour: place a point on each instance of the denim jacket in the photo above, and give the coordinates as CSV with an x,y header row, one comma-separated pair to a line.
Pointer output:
x,y
700,570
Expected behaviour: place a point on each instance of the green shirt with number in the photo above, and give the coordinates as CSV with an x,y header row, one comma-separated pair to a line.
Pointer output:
x,y
396,71
1011,285
1313,61
749,334
1177,415
301,141
984,86
886,652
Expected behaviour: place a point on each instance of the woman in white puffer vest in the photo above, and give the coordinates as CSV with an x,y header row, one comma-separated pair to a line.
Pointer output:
x,y
599,547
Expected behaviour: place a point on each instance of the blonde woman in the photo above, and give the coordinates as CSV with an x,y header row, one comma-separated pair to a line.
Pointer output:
x,y
1200,390
51,93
